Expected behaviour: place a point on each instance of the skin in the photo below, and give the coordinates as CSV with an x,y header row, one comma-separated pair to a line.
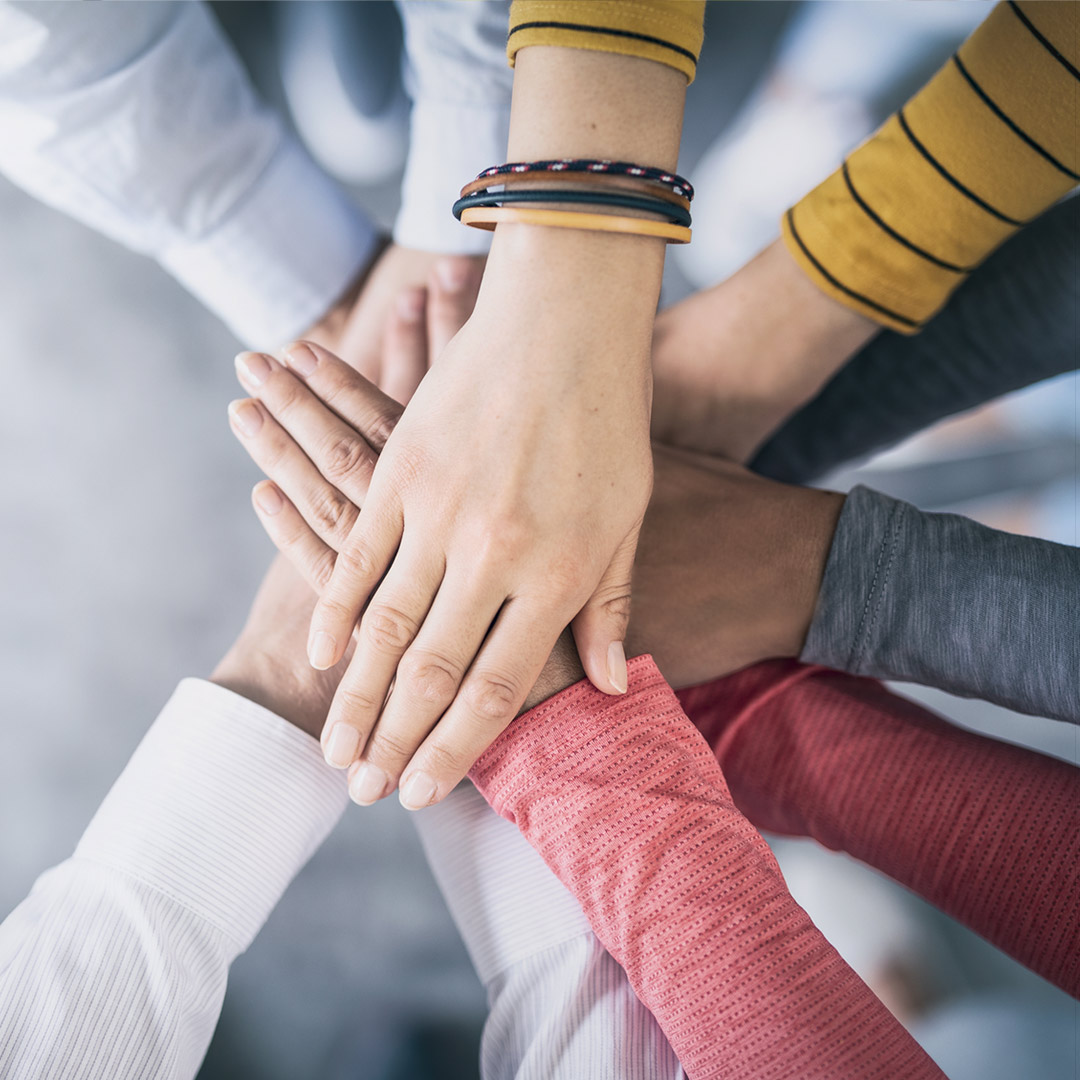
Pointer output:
x,y
465,569
731,363
727,572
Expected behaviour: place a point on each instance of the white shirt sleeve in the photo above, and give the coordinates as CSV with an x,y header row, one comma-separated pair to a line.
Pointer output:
x,y
459,81
560,1006
114,967
139,120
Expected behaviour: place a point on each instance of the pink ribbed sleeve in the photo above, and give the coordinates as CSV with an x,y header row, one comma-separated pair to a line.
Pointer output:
x,y
986,831
626,803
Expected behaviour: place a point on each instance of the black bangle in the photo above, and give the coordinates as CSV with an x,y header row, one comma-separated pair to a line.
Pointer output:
x,y
675,214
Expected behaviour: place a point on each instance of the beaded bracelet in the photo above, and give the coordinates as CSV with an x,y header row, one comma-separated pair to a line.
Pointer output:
x,y
677,215
612,168
487,217
652,188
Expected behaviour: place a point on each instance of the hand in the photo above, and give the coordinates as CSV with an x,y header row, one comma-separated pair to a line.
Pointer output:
x,y
403,283
731,363
729,565
728,569
266,663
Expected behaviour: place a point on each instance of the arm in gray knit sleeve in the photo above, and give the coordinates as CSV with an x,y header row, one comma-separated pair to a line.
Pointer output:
x,y
940,600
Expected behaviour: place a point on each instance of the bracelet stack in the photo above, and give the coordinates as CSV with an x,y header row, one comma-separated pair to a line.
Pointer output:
x,y
581,184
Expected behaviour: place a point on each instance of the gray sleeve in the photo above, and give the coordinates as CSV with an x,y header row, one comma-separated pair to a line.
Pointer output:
x,y
940,600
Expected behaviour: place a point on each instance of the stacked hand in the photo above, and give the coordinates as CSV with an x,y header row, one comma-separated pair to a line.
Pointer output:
x,y
727,570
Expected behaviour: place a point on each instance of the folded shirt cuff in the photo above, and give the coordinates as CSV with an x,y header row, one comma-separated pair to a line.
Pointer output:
x,y
449,144
221,805
280,260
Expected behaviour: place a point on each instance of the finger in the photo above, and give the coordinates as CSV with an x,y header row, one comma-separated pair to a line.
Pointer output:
x,y
452,291
405,350
328,512
361,563
291,535
386,630
490,697
428,677
337,449
600,627
358,402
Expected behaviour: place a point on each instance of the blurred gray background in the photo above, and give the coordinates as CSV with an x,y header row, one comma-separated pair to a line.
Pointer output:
x,y
128,555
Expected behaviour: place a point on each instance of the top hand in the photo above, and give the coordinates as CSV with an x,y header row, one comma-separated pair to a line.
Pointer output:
x,y
727,572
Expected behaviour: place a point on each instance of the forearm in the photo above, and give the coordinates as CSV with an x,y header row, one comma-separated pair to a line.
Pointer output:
x,y
1006,327
571,102
986,831
625,803
940,600
114,968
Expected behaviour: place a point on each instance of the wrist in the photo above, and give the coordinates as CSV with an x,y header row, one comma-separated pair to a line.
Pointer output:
x,y
809,521
292,694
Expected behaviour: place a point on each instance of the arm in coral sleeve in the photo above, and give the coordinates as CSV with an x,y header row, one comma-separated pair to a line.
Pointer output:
x,y
625,802
986,146
986,831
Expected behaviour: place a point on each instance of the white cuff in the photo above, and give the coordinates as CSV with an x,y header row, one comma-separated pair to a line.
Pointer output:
x,y
219,808
448,145
276,264
506,902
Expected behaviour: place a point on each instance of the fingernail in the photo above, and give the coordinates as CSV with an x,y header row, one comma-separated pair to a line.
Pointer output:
x,y
410,305
341,746
301,358
417,792
368,784
616,666
268,500
452,274
246,416
321,650
252,367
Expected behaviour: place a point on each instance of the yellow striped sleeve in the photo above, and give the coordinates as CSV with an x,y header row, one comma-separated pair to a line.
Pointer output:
x,y
988,144
667,31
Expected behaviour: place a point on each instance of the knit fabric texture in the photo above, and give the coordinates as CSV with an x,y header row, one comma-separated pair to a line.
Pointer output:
x,y
986,831
626,803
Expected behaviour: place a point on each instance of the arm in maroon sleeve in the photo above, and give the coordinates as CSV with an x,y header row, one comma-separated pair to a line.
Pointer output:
x,y
626,803
986,831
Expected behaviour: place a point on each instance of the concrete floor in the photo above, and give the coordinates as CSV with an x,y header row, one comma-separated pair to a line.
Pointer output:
x,y
128,554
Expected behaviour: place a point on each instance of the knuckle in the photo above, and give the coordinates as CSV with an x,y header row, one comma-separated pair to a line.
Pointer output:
x,y
492,698
321,569
331,511
389,747
344,457
445,760
387,628
354,702
381,427
356,560
431,678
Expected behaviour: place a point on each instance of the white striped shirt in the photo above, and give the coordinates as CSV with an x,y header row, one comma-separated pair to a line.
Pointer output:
x,y
115,966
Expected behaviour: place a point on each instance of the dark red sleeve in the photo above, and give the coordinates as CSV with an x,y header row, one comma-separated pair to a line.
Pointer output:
x,y
986,831
626,803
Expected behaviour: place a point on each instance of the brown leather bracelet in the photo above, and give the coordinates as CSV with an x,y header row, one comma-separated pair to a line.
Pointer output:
x,y
640,185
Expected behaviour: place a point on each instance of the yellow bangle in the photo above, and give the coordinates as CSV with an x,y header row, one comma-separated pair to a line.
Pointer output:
x,y
487,217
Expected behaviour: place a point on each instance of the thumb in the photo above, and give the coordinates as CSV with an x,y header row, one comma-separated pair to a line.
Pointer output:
x,y
600,627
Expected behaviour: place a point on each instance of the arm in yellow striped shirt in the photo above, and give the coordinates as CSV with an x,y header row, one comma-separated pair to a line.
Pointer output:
x,y
987,145
667,31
